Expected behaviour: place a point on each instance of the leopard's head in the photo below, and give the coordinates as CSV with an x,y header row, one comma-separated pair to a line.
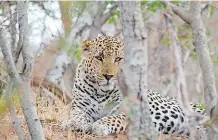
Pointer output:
x,y
103,59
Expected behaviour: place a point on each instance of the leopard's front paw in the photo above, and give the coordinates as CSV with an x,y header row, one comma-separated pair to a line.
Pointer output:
x,y
65,125
100,129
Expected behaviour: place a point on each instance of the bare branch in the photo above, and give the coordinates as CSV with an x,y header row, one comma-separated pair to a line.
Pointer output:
x,y
211,3
181,84
13,30
100,20
48,12
105,16
181,12
12,71
20,43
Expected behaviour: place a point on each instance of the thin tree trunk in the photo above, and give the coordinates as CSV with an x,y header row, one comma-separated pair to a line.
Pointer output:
x,y
12,83
13,30
135,69
180,77
193,18
29,109
203,53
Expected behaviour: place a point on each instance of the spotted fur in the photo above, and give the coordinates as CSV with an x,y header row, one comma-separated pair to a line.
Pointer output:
x,y
96,95
167,115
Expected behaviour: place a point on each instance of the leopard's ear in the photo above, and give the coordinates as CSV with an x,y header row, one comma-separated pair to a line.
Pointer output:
x,y
85,47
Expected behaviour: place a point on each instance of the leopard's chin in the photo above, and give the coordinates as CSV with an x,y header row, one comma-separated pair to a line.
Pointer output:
x,y
107,85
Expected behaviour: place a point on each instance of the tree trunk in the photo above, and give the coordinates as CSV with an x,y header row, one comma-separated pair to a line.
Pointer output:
x,y
203,53
202,49
29,110
135,69
193,18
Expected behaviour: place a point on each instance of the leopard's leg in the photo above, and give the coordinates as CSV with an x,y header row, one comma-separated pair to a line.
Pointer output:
x,y
78,121
116,123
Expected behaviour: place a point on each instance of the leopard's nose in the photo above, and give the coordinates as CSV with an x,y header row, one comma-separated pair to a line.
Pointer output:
x,y
107,77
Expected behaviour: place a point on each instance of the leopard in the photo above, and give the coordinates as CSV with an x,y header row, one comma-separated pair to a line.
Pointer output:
x,y
96,101
168,117
96,94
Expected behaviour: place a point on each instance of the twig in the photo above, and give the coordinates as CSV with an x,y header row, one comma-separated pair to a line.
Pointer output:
x,y
211,3
44,83
55,98
172,80
181,12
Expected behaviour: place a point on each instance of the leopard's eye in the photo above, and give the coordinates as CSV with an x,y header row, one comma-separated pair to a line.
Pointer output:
x,y
99,58
117,59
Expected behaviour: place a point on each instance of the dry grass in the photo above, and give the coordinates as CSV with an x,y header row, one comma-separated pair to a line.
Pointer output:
x,y
51,113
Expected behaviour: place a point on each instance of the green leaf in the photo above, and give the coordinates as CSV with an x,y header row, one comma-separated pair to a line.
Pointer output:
x,y
62,44
193,55
154,6
110,2
212,10
3,106
112,19
166,41
75,51
176,2
144,2
78,7
216,60
209,123
201,106
208,33
78,55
